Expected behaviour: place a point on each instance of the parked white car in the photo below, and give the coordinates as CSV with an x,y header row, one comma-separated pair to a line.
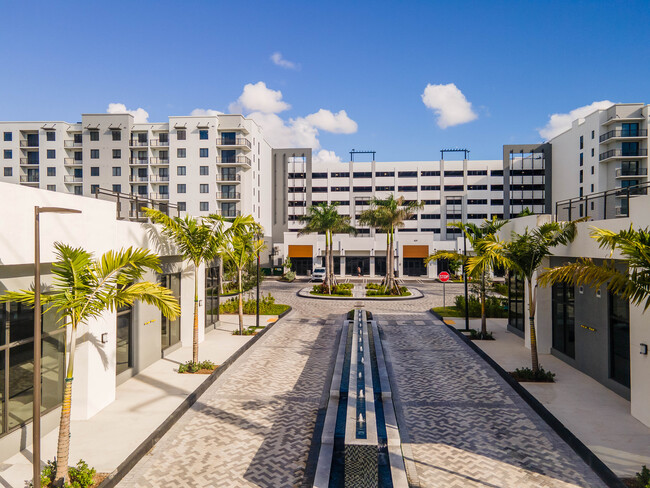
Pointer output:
x,y
318,274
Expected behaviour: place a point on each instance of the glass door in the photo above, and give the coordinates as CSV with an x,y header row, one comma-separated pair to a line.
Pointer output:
x,y
170,330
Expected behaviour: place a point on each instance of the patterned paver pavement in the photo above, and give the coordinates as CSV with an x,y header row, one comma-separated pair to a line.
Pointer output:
x,y
463,424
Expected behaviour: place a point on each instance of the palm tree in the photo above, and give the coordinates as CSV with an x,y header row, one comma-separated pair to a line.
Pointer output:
x,y
387,215
84,288
324,218
474,234
522,255
242,249
632,285
199,240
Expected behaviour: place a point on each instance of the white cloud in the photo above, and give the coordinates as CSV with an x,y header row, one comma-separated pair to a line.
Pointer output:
x,y
287,133
449,105
140,115
259,98
338,123
558,123
278,60
205,111
325,156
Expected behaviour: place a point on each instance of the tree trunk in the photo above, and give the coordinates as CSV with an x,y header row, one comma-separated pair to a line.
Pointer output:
x,y
63,445
332,278
391,284
195,329
241,304
483,313
533,334
327,281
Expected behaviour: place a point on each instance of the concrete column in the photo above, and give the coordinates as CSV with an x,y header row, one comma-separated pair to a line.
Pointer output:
x,y
342,266
372,266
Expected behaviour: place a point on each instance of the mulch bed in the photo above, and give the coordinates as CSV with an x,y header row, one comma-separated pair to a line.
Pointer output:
x,y
202,371
526,379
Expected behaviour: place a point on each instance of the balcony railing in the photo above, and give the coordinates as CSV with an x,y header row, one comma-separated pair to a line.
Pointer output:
x,y
228,213
618,153
136,143
138,179
158,160
159,179
238,141
623,133
228,177
28,162
235,160
73,179
71,144
623,172
138,160
72,162
27,143
228,195
159,196
159,143
600,206
29,178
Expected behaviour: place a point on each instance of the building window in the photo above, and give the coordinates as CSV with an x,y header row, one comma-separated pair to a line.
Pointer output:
x,y
117,171
181,135
592,190
381,188
181,170
50,135
8,154
182,206
340,175
94,188
181,188
51,187
516,302
496,187
619,340
582,159
429,173
563,311
117,135
117,153
78,190
94,154
407,188
8,171
163,137
94,135
203,134
181,152
204,206
407,174
51,154
203,188
477,187
453,187
7,136
117,188
582,142
94,171
51,171
581,176
592,152
77,138
430,187
593,134
204,170
592,170
203,152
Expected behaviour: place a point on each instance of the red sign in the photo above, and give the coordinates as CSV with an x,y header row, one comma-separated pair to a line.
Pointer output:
x,y
443,276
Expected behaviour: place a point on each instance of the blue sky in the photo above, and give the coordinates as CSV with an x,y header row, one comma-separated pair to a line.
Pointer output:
x,y
516,63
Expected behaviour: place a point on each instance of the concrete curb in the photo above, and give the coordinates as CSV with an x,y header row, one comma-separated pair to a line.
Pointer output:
x,y
305,294
132,459
593,461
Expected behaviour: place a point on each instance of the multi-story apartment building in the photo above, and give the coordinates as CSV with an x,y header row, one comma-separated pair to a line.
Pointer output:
x,y
202,164
451,191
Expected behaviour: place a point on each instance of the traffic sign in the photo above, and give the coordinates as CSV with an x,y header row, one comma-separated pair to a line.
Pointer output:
x,y
443,276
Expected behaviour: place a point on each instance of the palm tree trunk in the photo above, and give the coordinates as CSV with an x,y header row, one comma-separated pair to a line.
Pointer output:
x,y
195,329
241,305
533,335
483,313
63,445
384,282
327,282
333,278
391,284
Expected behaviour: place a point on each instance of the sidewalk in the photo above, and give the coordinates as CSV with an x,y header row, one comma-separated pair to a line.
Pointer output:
x,y
142,403
599,417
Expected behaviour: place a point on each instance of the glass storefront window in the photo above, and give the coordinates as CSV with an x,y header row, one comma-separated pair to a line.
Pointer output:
x,y
123,335
563,307
170,330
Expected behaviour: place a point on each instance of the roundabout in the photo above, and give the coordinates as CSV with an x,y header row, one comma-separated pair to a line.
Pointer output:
x,y
359,293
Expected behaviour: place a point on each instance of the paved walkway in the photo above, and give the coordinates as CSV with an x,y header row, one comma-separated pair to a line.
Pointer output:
x,y
254,425
462,425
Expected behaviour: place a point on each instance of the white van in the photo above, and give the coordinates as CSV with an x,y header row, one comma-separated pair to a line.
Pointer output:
x,y
318,274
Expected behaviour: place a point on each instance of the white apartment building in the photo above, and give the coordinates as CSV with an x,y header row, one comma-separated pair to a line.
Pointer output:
x,y
200,164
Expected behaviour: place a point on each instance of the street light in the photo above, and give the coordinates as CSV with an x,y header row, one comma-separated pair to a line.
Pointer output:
x,y
257,314
36,432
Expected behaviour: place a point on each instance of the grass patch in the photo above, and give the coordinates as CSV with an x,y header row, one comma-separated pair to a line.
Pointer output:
x,y
248,331
267,306
202,367
527,374
448,312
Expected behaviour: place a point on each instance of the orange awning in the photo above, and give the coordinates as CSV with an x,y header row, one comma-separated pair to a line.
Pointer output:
x,y
300,251
416,251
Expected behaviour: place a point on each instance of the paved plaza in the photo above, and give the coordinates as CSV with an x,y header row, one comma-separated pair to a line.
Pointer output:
x,y
462,425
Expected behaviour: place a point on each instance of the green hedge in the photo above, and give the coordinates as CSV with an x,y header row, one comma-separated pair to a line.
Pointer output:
x,y
382,292
267,306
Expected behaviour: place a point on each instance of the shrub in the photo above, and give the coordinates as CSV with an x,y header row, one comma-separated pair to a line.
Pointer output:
x,y
250,330
500,288
643,478
190,367
373,286
342,289
289,276
382,292
479,336
267,305
493,306
527,374
81,476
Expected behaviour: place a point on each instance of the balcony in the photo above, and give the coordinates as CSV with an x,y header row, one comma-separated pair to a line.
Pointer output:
x,y
138,161
28,162
159,196
159,179
72,162
624,134
137,143
29,178
619,153
159,161
159,143
73,179
235,161
137,215
227,177
228,195
238,142
138,179
71,144
631,172
229,214
28,143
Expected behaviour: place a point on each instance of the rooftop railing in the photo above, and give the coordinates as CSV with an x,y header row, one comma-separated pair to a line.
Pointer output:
x,y
604,205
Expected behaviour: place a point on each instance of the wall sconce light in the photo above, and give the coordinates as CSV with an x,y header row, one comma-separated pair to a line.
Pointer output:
x,y
104,337
581,289
644,349
598,293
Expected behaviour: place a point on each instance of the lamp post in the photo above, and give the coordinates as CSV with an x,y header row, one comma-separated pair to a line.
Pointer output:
x,y
36,413
257,313
465,279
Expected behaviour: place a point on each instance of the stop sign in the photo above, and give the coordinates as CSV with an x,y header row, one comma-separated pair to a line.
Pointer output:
x,y
443,276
